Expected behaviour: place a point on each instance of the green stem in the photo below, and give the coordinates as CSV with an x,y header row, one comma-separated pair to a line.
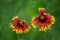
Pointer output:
x,y
18,36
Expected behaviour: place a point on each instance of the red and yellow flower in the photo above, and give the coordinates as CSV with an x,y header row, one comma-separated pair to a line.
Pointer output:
x,y
20,26
45,20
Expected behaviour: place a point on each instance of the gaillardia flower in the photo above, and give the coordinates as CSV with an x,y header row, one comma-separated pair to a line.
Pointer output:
x,y
20,26
45,20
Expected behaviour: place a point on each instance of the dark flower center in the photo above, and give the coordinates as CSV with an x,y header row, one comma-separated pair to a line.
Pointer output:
x,y
20,24
42,18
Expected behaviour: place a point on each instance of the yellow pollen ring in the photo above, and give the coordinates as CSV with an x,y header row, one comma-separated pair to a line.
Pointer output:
x,y
21,22
41,17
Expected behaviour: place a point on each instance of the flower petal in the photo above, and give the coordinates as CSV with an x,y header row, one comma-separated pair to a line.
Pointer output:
x,y
49,21
35,21
16,18
20,26
41,11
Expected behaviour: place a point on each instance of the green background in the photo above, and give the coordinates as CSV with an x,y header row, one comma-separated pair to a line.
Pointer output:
x,y
26,9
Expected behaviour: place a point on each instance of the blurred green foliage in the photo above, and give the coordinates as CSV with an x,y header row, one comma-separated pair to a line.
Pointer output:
x,y
26,9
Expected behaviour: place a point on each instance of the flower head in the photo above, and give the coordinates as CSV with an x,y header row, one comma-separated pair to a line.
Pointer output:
x,y
45,19
20,26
